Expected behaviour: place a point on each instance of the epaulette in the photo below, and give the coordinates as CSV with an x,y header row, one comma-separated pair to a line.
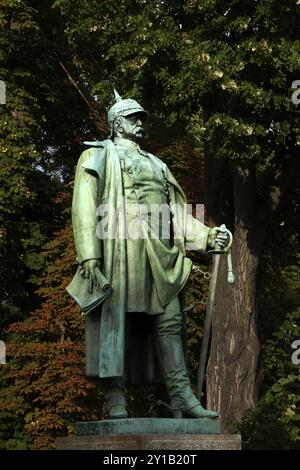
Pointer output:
x,y
94,143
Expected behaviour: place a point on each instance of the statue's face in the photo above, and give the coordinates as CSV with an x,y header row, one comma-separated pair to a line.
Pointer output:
x,y
131,127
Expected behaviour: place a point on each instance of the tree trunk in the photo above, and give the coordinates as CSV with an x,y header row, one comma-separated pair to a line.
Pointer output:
x,y
232,372
232,384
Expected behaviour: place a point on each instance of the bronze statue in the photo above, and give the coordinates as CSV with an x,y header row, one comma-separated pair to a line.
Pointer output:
x,y
132,272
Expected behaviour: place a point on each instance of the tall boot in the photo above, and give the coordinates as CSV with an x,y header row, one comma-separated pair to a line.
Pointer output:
x,y
115,402
177,380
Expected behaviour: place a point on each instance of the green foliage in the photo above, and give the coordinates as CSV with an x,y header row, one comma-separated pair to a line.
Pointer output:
x,y
275,423
237,61
18,155
40,124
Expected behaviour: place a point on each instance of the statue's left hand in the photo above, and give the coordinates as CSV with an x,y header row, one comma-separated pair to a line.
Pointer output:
x,y
217,238
87,271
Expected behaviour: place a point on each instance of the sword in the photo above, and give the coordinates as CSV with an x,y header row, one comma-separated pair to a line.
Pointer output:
x,y
210,304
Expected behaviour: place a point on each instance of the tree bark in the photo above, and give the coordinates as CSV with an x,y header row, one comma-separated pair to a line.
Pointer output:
x,y
232,372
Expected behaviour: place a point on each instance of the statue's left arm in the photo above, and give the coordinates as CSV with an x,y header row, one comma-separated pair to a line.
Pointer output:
x,y
197,236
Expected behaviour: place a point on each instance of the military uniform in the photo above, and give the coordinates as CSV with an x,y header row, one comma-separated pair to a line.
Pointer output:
x,y
147,269
145,187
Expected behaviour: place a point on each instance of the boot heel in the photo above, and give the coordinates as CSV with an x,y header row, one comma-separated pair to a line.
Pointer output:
x,y
177,414
176,409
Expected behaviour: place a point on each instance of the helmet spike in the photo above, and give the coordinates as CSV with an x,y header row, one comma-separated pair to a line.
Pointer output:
x,y
117,96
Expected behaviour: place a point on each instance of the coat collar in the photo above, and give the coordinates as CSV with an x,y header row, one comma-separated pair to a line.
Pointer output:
x,y
126,143
96,164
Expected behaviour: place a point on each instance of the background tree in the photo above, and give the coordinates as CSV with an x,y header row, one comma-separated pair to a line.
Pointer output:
x,y
274,424
44,387
41,125
249,59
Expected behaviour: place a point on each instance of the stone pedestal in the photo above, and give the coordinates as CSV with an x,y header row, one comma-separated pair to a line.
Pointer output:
x,y
152,442
140,426
150,434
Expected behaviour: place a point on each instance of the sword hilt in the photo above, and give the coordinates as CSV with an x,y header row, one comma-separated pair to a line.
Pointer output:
x,y
226,251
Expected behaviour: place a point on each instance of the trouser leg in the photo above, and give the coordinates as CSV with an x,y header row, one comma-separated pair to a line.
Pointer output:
x,y
168,330
115,402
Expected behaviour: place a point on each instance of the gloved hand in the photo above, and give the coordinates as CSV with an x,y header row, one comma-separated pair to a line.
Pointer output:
x,y
217,239
87,270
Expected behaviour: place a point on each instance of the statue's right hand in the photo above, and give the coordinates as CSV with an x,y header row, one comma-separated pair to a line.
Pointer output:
x,y
87,271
